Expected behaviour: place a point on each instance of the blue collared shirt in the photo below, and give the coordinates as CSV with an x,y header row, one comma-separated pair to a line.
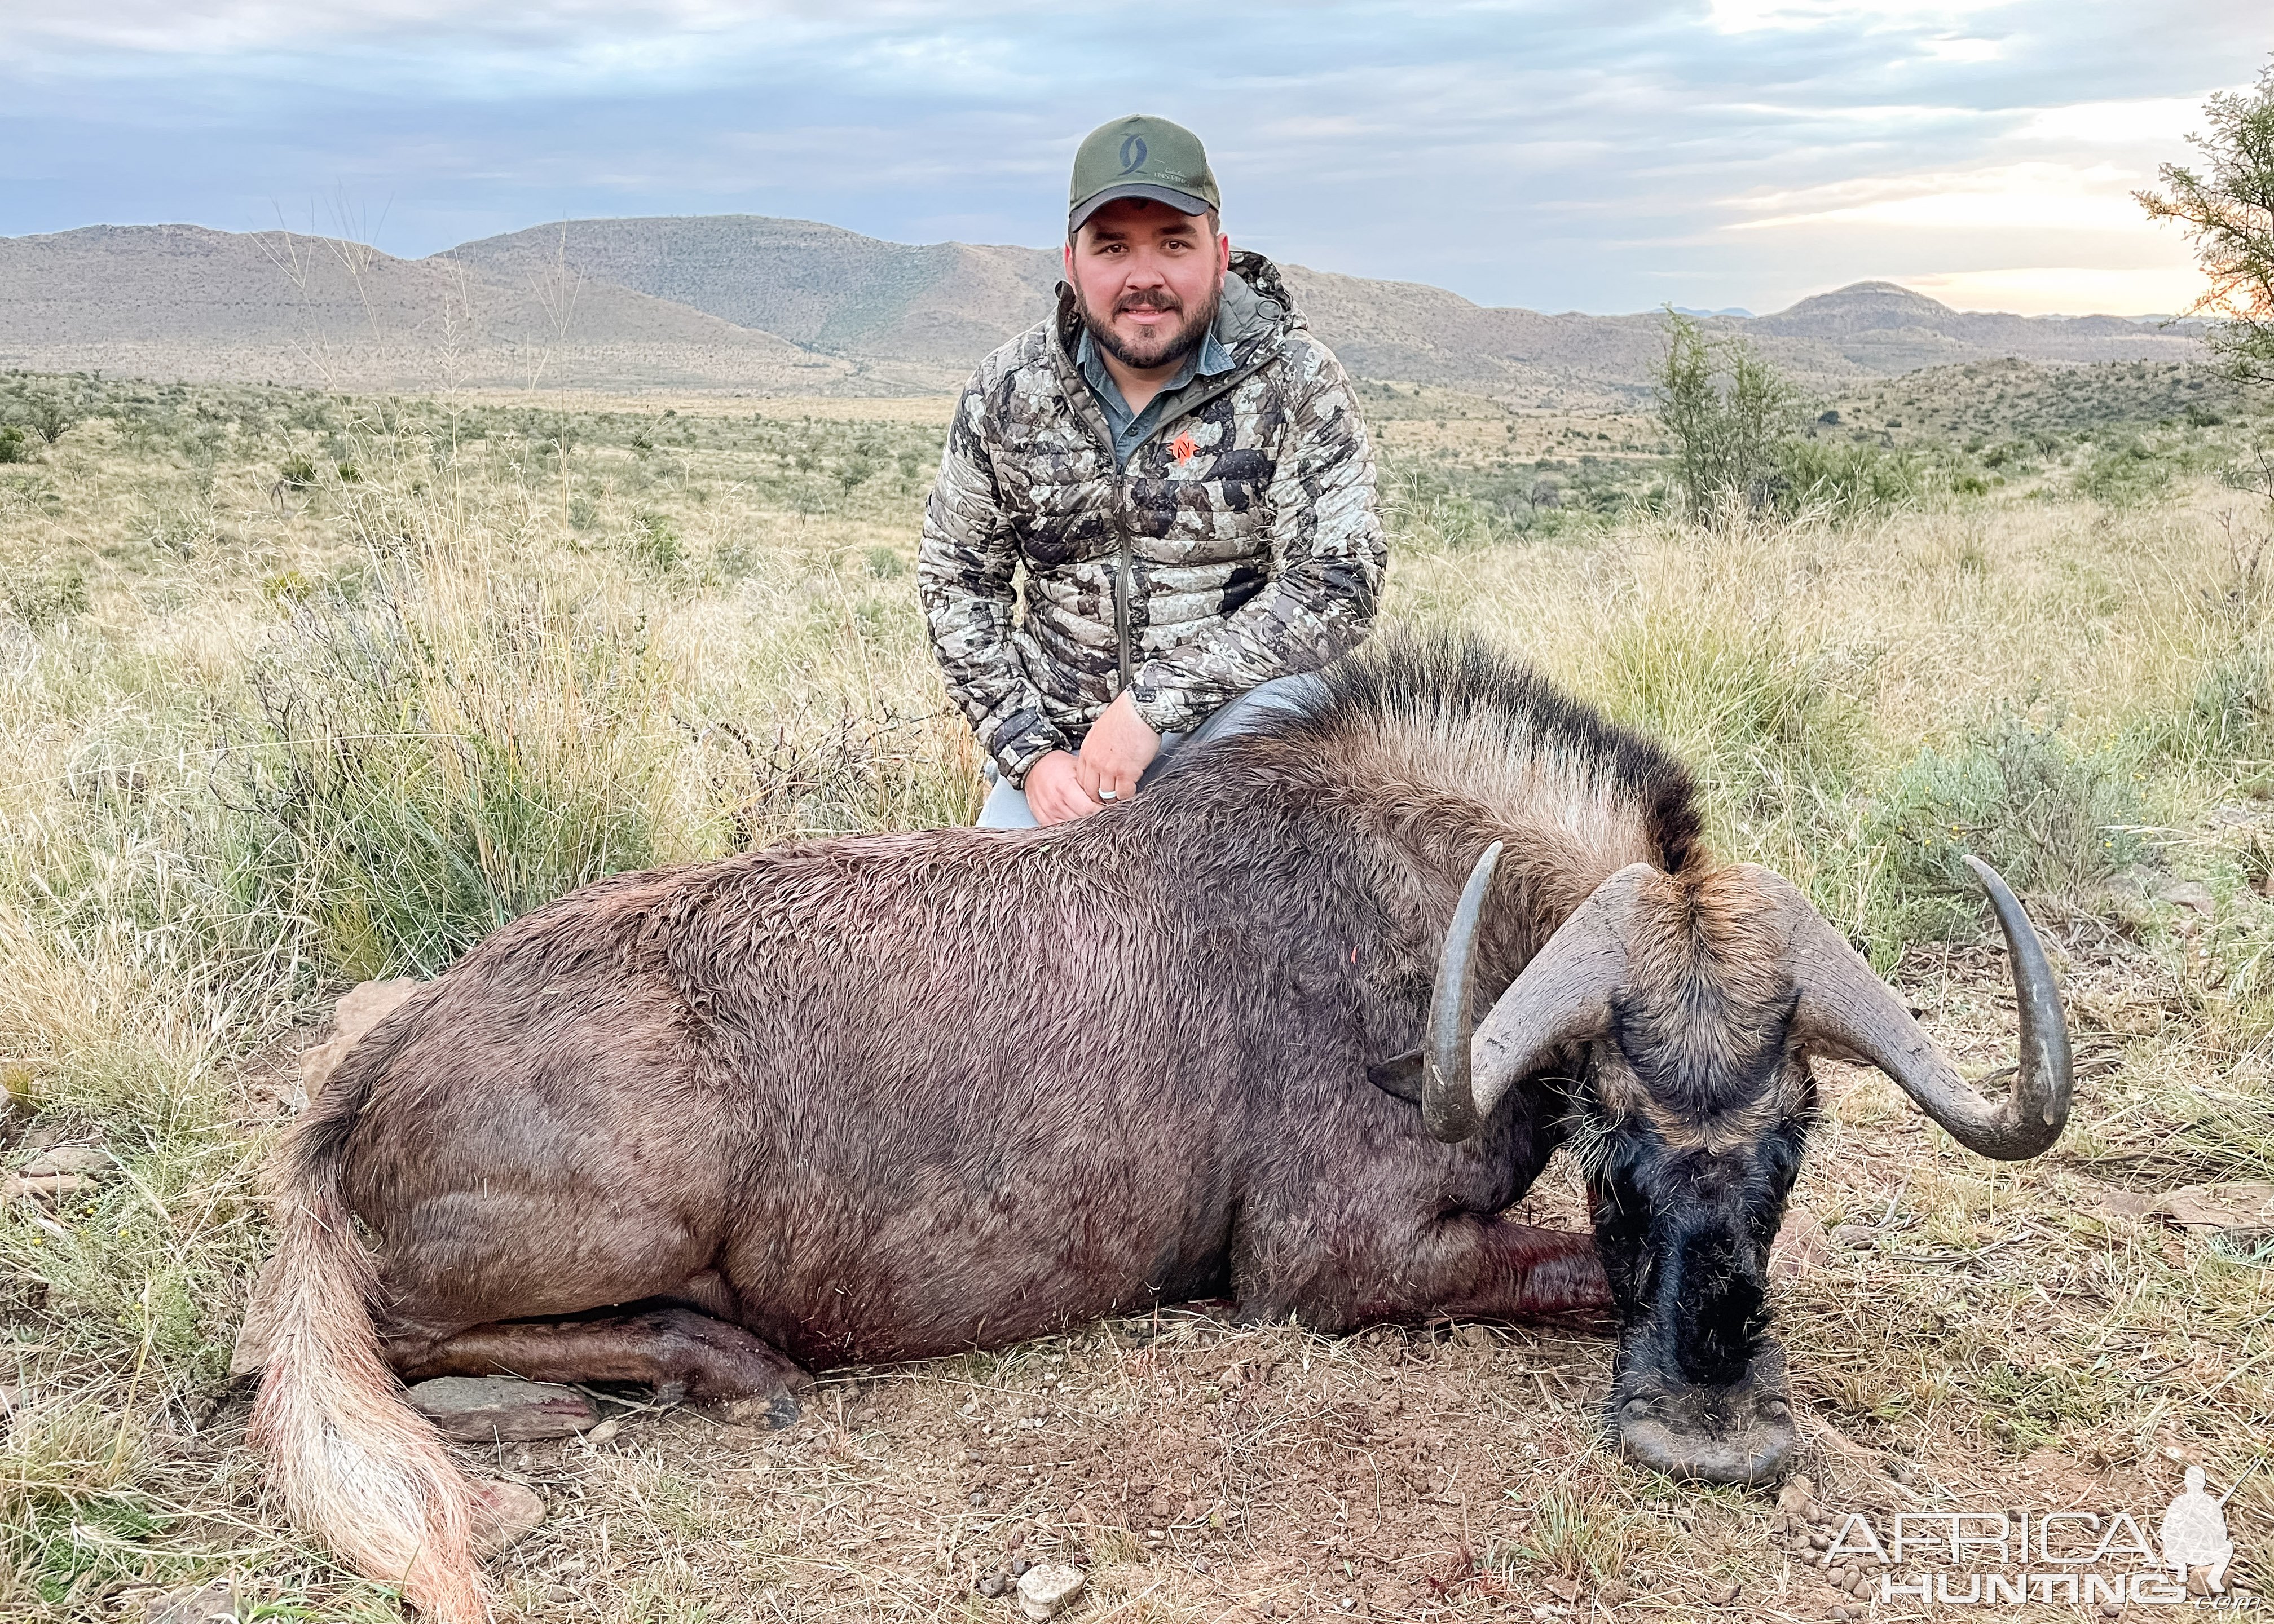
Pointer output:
x,y
1130,428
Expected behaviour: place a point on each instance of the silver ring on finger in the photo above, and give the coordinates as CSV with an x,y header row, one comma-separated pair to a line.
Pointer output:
x,y
1108,794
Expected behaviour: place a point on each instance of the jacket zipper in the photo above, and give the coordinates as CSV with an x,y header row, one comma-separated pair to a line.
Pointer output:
x,y
1231,380
1121,575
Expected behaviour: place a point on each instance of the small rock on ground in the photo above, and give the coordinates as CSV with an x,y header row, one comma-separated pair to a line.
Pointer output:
x,y
67,1159
201,1606
2189,894
508,1512
1801,1248
1044,1591
483,1409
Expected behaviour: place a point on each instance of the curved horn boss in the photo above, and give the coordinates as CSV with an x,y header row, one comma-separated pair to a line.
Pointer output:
x,y
1698,998
1563,997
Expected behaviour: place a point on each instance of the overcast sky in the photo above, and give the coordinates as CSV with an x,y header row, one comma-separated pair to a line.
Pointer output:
x,y
1595,156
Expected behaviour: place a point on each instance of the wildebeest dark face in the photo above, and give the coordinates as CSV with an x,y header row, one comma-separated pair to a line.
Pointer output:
x,y
1692,1117
1695,1000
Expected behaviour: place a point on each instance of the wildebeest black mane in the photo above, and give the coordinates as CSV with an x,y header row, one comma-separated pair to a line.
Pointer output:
x,y
1453,685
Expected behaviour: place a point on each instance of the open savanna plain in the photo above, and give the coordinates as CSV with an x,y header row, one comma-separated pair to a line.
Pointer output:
x,y
299,690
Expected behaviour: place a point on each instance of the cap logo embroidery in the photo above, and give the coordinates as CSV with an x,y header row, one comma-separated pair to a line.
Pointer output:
x,y
1132,154
1184,448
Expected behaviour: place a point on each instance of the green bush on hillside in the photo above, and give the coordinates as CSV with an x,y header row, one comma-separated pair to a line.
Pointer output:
x,y
44,598
2126,473
1847,480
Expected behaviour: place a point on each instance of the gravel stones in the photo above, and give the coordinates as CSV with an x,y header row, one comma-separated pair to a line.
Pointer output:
x,y
502,1408
1044,1591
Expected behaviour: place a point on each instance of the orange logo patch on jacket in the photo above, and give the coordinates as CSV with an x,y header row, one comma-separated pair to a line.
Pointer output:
x,y
1184,448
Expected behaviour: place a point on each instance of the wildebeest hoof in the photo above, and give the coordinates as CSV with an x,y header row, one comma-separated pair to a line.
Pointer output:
x,y
774,1411
502,1514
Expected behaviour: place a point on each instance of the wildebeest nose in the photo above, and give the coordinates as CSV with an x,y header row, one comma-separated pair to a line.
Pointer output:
x,y
1752,1449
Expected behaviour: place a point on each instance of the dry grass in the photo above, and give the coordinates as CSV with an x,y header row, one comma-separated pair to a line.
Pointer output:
x,y
257,746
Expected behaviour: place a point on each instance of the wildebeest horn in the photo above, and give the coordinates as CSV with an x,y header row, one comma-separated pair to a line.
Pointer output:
x,y
1563,998
1844,1005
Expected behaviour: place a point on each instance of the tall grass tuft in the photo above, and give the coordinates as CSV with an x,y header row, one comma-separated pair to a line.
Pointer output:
x,y
457,747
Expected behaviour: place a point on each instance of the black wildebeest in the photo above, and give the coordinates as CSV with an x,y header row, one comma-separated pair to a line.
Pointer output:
x,y
878,1097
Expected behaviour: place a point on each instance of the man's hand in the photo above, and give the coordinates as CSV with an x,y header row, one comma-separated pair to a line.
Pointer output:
x,y
1121,745
1054,791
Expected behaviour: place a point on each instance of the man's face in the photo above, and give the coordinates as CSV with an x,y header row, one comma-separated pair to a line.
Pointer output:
x,y
1146,280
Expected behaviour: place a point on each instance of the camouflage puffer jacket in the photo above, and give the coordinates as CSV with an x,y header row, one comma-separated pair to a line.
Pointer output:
x,y
1239,544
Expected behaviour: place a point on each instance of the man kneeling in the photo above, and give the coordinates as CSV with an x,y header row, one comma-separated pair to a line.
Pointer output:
x,y
1181,470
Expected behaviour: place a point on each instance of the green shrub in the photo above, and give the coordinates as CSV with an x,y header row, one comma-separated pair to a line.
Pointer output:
x,y
1730,415
50,415
2053,819
14,447
654,541
2126,473
42,598
1846,480
299,472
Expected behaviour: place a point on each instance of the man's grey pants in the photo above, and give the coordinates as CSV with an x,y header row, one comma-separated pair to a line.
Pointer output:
x,y
1007,806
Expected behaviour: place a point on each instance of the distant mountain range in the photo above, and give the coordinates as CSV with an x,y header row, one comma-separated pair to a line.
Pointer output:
x,y
747,304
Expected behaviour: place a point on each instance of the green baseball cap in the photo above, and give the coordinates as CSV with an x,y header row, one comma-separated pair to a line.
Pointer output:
x,y
1141,157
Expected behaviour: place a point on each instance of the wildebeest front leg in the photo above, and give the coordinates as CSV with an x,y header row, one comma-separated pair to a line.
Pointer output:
x,y
677,1351
1490,1268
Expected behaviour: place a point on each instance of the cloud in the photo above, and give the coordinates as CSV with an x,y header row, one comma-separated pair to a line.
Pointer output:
x,y
2154,122
2066,290
1754,16
1548,153
2020,197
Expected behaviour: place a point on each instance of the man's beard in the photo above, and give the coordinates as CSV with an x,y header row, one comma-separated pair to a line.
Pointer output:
x,y
1153,348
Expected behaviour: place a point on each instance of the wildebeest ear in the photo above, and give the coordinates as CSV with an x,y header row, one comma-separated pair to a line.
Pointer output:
x,y
1399,1075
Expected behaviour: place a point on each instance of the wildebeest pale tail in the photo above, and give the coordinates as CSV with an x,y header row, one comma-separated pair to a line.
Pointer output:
x,y
357,1466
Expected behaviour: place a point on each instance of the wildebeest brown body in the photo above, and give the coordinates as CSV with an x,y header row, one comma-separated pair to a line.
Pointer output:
x,y
894,1095
898,1132
1125,1062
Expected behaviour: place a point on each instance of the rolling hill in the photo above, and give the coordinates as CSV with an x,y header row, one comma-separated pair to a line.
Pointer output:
x,y
183,302
751,304
944,304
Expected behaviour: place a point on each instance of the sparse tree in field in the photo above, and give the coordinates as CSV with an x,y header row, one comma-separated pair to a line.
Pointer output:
x,y
50,415
1730,415
2228,211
